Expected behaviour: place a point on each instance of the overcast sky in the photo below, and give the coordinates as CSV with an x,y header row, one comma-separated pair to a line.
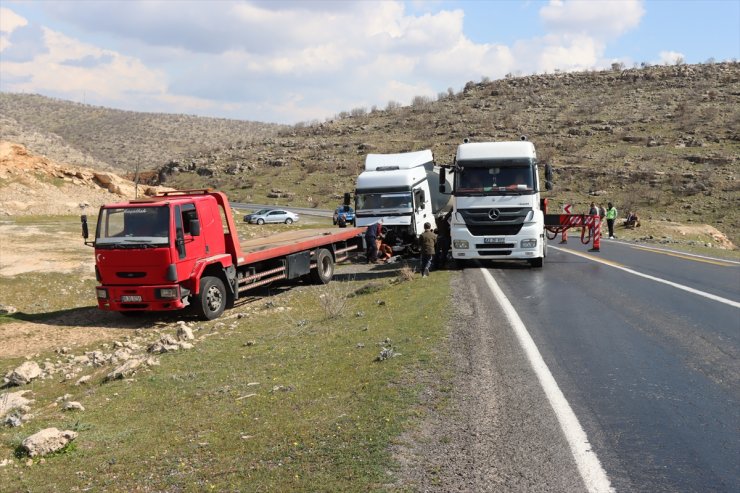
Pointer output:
x,y
290,61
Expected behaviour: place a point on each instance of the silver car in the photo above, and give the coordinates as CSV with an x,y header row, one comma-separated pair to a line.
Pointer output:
x,y
273,216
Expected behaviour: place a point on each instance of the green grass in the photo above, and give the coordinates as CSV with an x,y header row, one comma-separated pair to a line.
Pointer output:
x,y
323,417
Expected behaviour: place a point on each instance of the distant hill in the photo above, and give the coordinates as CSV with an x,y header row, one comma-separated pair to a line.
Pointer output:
x,y
106,138
662,140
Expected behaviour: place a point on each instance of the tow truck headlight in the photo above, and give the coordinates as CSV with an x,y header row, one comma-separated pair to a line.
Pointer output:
x,y
529,243
168,293
461,244
102,293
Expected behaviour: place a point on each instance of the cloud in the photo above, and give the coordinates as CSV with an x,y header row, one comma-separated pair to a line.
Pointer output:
x,y
603,19
9,22
283,60
670,58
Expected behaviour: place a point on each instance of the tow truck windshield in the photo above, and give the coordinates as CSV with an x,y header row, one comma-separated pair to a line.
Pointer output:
x,y
133,227
500,177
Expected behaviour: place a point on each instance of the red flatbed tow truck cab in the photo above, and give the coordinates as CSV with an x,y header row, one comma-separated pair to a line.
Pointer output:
x,y
181,248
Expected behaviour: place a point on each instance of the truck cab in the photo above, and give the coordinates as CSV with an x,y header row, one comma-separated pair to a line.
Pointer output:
x,y
150,254
395,188
496,203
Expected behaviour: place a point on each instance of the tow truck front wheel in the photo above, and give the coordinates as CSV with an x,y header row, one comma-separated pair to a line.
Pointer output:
x,y
211,300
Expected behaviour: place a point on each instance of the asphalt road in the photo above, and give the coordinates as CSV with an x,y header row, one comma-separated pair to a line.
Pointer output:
x,y
644,346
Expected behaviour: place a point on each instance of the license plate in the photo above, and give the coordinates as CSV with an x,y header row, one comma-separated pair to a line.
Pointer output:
x,y
131,299
493,240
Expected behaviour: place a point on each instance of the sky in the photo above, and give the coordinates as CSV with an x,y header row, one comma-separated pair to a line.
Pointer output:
x,y
303,61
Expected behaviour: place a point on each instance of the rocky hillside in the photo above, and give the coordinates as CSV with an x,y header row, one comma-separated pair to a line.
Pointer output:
x,y
102,138
35,185
662,140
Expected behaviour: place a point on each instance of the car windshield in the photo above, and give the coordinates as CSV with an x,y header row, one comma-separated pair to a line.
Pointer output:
x,y
494,177
396,200
261,212
133,226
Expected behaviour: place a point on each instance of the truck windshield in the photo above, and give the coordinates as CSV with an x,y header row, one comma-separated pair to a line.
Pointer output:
x,y
126,227
494,177
373,201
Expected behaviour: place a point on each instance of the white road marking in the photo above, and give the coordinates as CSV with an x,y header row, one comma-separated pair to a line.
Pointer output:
x,y
657,249
594,476
652,278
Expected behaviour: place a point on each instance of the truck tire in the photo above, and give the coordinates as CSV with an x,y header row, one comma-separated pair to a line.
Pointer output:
x,y
537,262
211,301
324,270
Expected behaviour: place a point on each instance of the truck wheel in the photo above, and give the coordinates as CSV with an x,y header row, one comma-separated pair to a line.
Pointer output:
x,y
536,262
324,267
211,300
289,221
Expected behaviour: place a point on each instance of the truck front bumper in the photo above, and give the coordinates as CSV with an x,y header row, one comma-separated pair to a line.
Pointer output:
x,y
528,244
141,298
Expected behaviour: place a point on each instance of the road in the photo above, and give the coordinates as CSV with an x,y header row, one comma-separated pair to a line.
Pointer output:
x,y
641,345
648,364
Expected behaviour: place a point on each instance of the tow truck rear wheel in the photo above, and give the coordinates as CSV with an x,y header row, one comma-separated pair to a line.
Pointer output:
x,y
211,300
324,270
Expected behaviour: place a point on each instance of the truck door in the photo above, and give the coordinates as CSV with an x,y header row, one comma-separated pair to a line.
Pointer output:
x,y
189,248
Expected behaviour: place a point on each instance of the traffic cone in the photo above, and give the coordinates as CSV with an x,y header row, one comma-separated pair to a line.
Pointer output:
x,y
597,234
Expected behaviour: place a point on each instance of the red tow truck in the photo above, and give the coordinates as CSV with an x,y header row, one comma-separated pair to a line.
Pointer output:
x,y
181,249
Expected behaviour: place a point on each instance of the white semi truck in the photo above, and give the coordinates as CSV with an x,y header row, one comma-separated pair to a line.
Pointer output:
x,y
395,188
496,211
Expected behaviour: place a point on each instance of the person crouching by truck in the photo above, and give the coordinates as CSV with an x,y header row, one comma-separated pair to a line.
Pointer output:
x,y
372,233
428,247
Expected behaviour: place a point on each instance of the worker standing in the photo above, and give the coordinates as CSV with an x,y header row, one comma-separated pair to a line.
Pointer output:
x,y
611,216
428,246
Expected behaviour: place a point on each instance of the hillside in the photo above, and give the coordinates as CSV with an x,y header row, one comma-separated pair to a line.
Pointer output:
x,y
102,138
662,140
36,185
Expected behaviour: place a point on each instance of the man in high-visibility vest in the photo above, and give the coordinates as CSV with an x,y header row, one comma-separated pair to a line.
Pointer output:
x,y
611,216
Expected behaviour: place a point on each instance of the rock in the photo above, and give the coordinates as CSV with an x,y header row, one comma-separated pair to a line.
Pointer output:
x,y
13,400
73,406
185,333
185,345
83,380
7,310
125,370
24,373
13,421
47,441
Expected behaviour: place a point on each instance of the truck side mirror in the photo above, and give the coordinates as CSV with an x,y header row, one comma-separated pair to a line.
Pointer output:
x,y
85,231
548,185
441,179
423,199
548,173
194,227
347,199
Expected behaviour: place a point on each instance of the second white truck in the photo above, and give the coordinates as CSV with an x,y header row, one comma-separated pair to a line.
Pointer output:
x,y
396,189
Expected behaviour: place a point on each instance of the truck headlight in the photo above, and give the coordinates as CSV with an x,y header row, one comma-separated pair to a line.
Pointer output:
x,y
168,293
461,244
529,243
102,293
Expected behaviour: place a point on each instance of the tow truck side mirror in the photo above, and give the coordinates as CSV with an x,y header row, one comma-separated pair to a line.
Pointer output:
x,y
347,199
548,176
85,231
442,187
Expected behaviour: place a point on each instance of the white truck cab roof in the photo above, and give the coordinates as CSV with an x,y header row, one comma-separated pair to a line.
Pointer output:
x,y
404,160
496,150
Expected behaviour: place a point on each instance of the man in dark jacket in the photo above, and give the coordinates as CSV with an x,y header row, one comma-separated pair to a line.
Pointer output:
x,y
371,235
427,244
